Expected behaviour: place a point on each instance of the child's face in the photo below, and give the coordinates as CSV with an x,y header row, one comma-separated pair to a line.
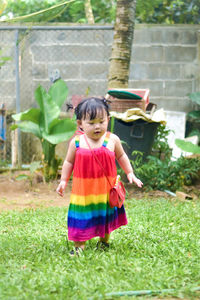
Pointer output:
x,y
95,128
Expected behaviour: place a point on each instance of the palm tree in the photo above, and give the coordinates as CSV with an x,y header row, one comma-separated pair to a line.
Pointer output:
x,y
89,12
121,49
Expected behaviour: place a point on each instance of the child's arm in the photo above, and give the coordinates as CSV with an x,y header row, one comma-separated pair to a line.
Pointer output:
x,y
124,163
67,168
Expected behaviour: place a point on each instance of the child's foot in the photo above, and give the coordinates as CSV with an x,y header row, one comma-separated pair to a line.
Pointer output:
x,y
102,245
77,251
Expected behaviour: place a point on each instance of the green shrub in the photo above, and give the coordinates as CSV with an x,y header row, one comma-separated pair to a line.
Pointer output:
x,y
166,174
160,145
159,171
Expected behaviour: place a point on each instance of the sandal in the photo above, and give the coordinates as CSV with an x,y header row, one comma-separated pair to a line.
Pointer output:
x,y
77,251
102,245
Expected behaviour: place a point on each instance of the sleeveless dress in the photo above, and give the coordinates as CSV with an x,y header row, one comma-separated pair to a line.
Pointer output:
x,y
89,213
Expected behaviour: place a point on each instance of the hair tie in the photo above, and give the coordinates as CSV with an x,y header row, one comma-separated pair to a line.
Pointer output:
x,y
106,101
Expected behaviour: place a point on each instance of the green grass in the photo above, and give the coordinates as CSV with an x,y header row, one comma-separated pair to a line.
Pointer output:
x,y
158,249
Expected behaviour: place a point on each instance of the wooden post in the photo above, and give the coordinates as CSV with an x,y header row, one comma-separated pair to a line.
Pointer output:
x,y
14,147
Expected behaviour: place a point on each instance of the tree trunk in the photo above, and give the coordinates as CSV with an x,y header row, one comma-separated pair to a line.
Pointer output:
x,y
88,12
121,49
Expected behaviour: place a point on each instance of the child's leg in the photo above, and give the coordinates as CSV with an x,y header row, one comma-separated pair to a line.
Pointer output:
x,y
105,239
79,244
103,243
79,247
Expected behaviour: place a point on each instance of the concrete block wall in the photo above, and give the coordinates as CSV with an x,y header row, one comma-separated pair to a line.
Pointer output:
x,y
81,56
164,59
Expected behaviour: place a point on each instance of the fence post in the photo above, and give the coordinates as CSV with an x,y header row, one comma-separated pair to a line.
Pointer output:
x,y
18,105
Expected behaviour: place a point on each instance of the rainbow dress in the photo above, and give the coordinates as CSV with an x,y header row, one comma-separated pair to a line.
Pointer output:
x,y
89,213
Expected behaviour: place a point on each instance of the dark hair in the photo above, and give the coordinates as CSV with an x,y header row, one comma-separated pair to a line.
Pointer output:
x,y
91,106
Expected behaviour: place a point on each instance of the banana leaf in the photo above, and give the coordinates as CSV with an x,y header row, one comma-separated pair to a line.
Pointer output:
x,y
50,110
187,146
58,92
27,126
60,132
32,115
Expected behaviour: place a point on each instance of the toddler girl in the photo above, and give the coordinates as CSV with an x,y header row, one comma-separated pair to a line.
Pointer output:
x,y
89,212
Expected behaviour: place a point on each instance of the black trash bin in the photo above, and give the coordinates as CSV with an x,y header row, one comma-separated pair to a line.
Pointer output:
x,y
138,135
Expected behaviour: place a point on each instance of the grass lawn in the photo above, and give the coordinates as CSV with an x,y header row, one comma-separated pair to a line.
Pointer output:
x,y
158,249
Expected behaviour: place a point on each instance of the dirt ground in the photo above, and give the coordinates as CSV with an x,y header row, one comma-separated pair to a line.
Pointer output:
x,y
16,194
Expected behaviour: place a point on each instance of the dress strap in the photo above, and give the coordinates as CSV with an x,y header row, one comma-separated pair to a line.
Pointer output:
x,y
105,142
77,141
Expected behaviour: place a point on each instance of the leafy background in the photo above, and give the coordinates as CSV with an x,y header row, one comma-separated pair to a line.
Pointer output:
x,y
148,11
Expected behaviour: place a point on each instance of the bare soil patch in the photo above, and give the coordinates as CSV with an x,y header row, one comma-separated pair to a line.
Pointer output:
x,y
19,195
16,194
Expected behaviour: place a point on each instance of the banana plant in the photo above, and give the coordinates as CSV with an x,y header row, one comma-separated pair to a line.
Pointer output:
x,y
44,123
194,116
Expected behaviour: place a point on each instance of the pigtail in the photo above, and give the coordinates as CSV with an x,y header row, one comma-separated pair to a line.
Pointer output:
x,y
76,111
69,106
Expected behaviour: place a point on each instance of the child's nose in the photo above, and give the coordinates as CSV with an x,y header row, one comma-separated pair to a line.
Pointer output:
x,y
97,125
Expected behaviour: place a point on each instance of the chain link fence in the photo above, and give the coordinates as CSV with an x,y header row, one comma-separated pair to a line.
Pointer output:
x,y
79,55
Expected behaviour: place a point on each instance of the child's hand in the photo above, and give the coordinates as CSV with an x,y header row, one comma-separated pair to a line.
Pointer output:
x,y
132,178
61,188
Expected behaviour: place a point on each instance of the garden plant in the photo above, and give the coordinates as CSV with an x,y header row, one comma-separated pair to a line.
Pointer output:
x,y
44,123
34,166
160,172
194,119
